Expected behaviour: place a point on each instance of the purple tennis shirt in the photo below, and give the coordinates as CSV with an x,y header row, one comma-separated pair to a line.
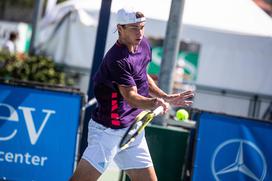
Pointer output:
x,y
120,67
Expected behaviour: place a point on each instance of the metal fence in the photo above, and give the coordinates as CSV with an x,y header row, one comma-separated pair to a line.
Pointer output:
x,y
233,102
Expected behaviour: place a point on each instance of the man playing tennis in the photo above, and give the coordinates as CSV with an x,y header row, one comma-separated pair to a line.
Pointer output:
x,y
123,89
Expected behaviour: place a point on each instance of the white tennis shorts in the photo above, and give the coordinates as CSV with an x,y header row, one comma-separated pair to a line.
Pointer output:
x,y
103,148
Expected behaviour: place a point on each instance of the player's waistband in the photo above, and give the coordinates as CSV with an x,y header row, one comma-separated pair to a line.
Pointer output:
x,y
97,125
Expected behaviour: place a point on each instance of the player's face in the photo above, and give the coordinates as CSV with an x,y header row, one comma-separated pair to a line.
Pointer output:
x,y
133,33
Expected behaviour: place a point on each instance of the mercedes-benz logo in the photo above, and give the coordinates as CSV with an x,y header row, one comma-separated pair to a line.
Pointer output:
x,y
246,159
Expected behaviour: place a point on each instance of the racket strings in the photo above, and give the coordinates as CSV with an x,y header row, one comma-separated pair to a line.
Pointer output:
x,y
137,127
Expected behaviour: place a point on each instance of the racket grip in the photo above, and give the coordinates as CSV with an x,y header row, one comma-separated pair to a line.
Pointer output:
x,y
158,110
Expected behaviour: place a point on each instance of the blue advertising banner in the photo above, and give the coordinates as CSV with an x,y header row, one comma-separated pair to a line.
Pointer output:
x,y
38,133
232,148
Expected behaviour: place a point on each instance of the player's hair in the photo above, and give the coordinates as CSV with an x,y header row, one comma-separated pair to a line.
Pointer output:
x,y
139,14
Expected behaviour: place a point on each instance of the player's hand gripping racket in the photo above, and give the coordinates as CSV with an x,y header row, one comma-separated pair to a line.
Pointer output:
x,y
141,121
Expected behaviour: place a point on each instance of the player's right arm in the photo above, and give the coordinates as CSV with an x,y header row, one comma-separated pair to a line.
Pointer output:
x,y
134,99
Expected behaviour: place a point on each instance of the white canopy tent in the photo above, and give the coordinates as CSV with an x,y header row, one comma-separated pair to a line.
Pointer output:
x,y
235,38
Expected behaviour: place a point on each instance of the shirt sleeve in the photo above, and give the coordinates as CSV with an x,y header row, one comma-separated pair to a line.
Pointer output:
x,y
121,73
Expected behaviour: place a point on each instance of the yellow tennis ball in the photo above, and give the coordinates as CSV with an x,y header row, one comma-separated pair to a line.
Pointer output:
x,y
182,114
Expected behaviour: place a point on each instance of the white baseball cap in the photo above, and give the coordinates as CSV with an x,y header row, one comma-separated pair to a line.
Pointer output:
x,y
128,16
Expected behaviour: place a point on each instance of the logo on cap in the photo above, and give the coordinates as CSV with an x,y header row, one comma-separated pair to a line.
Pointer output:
x,y
128,16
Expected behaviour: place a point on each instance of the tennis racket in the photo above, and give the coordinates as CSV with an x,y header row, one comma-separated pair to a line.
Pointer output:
x,y
141,121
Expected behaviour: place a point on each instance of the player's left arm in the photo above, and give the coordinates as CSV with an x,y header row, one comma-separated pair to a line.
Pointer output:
x,y
154,90
178,99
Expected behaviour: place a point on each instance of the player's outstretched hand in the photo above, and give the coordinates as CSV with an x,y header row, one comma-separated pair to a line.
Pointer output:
x,y
180,99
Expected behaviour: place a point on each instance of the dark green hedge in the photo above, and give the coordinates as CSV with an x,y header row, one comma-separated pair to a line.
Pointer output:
x,y
33,68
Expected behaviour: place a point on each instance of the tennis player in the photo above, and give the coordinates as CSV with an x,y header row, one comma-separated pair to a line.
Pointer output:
x,y
123,89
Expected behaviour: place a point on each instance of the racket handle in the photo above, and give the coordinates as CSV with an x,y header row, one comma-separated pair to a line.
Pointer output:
x,y
158,110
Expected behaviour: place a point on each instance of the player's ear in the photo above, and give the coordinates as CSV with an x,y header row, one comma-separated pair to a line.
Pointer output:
x,y
119,28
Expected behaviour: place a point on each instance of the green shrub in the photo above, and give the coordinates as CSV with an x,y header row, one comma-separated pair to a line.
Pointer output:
x,y
33,68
